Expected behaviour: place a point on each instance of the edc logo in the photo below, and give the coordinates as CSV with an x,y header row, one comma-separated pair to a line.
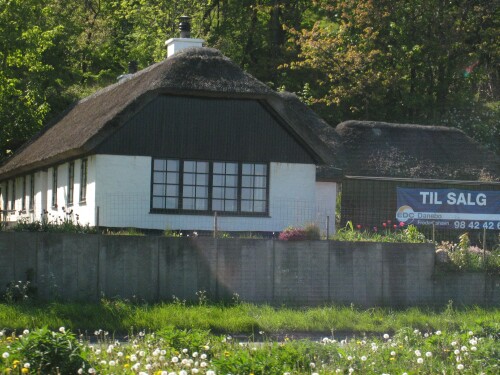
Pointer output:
x,y
405,214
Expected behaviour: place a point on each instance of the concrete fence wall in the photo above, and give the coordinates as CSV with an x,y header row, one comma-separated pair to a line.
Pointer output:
x,y
85,267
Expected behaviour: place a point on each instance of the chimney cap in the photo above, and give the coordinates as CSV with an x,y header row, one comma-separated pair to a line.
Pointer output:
x,y
185,26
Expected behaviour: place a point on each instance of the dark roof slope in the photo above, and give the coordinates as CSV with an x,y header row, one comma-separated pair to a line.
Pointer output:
x,y
379,149
193,71
321,129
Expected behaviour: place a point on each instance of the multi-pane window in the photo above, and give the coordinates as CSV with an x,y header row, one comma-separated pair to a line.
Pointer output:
x,y
253,187
71,182
83,181
195,185
166,177
54,187
225,187
202,186
32,192
23,197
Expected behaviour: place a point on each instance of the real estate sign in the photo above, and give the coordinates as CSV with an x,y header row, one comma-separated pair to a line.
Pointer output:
x,y
449,208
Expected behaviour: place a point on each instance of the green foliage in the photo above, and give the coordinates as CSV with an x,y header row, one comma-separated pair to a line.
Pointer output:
x,y
65,224
124,232
47,352
398,233
18,291
466,258
193,339
172,233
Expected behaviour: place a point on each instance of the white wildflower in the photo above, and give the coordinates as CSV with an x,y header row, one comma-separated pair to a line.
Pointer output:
x,y
460,366
420,360
62,329
386,336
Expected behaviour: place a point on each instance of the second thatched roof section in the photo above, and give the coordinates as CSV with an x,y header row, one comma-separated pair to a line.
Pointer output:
x,y
379,149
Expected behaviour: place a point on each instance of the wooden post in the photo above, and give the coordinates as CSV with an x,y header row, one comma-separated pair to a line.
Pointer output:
x,y
327,226
215,224
484,246
433,233
97,218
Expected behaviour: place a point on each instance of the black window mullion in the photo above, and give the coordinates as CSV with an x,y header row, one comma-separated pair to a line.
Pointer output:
x,y
240,179
210,184
181,184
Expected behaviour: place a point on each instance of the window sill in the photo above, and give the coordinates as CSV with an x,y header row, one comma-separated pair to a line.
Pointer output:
x,y
159,211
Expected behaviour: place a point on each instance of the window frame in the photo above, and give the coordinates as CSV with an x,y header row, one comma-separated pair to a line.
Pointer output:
x,y
13,197
31,205
71,184
209,211
54,186
23,198
83,180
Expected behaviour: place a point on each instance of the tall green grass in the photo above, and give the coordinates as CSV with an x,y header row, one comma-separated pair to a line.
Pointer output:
x,y
122,317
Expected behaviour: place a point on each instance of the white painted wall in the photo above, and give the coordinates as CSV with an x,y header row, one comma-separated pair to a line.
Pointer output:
x,y
326,198
123,196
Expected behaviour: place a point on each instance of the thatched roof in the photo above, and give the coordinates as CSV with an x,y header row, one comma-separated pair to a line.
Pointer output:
x,y
193,71
380,149
329,137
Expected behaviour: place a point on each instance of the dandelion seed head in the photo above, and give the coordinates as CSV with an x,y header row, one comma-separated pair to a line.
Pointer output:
x,y
460,366
386,336
420,360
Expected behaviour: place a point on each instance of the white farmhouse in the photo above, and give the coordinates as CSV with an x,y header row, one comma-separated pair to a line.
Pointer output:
x,y
174,144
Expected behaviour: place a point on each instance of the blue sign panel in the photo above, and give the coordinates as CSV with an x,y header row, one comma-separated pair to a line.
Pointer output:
x,y
449,208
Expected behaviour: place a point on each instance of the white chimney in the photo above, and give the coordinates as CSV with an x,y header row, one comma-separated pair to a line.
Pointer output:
x,y
176,44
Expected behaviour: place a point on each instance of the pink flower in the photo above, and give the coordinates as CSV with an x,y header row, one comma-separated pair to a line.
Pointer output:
x,y
395,226
384,225
358,226
375,229
402,224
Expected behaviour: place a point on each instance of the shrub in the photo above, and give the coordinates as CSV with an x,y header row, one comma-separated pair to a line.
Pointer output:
x,y
293,234
48,352
464,257
18,292
312,232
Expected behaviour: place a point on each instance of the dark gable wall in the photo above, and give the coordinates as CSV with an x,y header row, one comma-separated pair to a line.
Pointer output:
x,y
207,129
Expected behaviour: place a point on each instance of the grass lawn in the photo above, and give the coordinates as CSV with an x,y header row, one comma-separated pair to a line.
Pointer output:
x,y
182,339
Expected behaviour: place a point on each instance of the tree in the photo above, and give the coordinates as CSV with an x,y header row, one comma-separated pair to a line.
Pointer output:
x,y
28,54
400,61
